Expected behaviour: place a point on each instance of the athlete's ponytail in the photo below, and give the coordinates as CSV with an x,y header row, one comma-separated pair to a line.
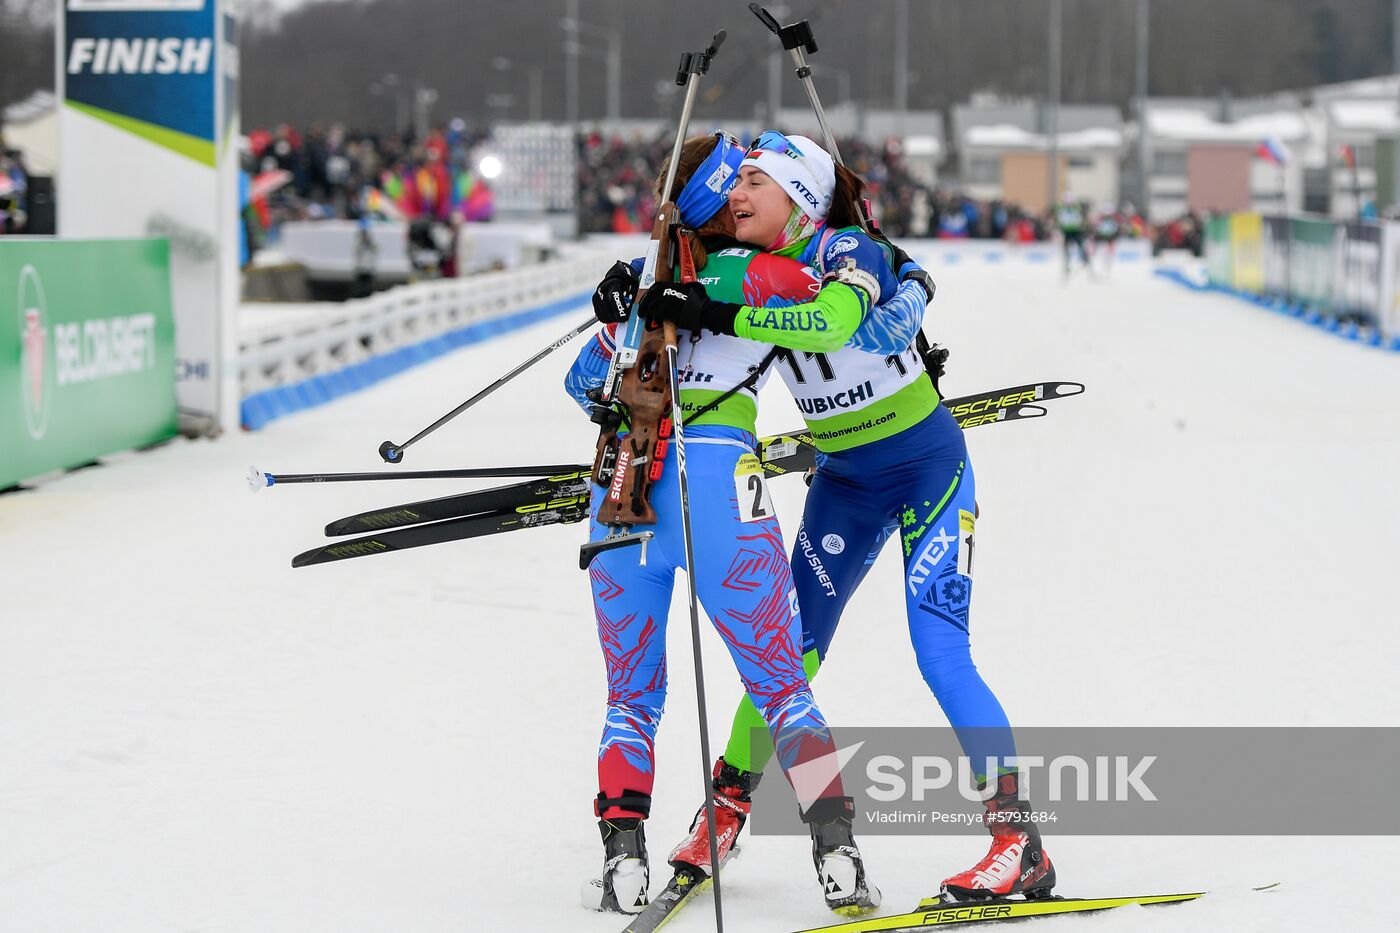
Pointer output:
x,y
850,188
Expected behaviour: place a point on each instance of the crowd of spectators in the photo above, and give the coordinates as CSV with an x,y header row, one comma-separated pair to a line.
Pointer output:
x,y
335,172
14,190
616,178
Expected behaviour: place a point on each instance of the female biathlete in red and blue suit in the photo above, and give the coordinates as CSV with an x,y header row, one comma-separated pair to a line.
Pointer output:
x,y
743,578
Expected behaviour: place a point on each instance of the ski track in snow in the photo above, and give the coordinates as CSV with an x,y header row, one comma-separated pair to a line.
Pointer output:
x,y
194,737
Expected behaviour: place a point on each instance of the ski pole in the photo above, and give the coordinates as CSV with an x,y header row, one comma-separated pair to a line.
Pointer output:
x,y
258,479
797,38
688,538
393,453
696,65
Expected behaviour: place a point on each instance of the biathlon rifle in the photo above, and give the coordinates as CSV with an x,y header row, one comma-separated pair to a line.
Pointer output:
x,y
639,378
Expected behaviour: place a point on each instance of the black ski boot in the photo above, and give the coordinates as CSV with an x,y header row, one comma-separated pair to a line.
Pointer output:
x,y
623,887
839,866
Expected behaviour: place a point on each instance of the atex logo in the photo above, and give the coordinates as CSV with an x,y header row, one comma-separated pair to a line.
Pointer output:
x,y
802,189
35,380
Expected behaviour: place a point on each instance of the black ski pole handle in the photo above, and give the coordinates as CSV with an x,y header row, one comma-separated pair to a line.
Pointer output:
x,y
792,35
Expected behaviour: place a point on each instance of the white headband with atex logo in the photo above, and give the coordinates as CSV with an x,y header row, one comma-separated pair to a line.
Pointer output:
x,y
803,169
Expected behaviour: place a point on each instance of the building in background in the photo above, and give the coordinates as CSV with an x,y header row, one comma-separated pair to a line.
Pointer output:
x,y
1004,150
1207,155
1354,128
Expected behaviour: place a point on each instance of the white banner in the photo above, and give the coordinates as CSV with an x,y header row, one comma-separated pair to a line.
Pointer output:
x,y
147,124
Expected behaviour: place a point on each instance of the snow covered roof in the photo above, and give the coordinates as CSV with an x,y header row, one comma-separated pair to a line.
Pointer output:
x,y
924,146
1379,86
1378,116
1005,136
1195,126
33,107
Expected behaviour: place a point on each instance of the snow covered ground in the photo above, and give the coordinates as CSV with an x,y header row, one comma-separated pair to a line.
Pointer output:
x,y
195,737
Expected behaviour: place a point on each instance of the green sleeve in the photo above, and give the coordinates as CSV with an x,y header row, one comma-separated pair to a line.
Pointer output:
x,y
750,744
822,325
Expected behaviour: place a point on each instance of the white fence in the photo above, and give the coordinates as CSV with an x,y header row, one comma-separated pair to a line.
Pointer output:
x,y
297,357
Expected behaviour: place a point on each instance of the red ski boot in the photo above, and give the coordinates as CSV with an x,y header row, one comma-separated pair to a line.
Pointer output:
x,y
1016,862
733,791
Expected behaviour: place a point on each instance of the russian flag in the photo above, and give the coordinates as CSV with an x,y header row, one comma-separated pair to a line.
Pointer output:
x,y
1273,150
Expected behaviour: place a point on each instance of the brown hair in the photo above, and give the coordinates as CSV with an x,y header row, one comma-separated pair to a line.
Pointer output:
x,y
694,151
845,200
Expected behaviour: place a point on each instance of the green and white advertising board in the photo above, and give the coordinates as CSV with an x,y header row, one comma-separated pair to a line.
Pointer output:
x,y
148,125
87,351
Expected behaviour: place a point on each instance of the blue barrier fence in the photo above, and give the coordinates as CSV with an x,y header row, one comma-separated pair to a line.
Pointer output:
x,y
261,408
1298,310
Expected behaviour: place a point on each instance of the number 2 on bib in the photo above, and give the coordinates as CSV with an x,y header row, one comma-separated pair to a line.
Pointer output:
x,y
750,491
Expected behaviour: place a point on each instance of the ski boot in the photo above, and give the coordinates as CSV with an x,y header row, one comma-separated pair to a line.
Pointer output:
x,y
623,887
1016,862
733,796
839,866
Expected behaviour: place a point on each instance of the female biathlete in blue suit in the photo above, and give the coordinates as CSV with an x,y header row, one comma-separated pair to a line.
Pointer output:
x,y
893,463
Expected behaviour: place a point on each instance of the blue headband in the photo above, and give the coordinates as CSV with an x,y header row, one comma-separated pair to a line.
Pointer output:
x,y
708,189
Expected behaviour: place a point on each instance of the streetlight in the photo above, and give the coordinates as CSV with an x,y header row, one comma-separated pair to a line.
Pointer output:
x,y
535,76
423,100
1052,113
901,63
390,85
614,58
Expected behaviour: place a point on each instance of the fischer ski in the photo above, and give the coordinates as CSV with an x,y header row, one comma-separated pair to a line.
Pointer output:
x,y
935,911
1001,404
564,498
564,511
795,452
683,887
533,496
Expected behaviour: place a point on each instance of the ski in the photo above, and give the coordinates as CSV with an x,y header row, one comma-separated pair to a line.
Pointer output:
x,y
679,891
563,511
795,452
535,495
988,407
937,912
536,502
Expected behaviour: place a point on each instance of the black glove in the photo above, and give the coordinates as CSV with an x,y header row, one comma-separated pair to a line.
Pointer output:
x,y
689,307
612,299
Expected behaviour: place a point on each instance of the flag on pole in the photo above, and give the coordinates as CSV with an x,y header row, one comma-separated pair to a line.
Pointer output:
x,y
1272,149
